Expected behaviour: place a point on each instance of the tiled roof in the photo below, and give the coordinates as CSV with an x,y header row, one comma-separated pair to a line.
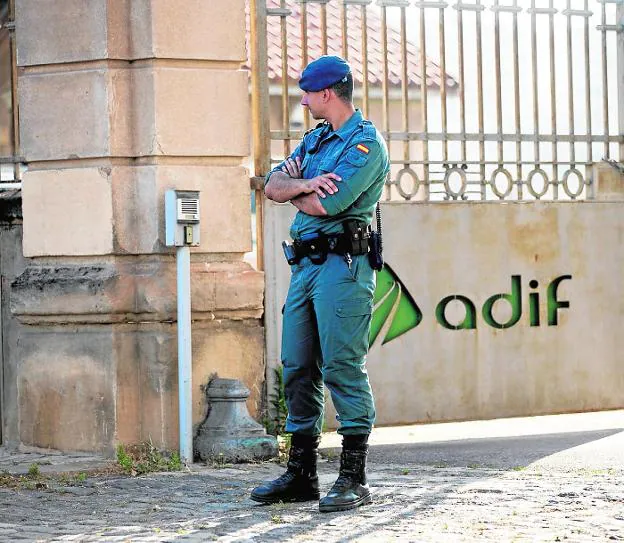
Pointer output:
x,y
334,46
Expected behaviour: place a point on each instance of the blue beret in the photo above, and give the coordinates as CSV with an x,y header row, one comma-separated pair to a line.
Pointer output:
x,y
324,72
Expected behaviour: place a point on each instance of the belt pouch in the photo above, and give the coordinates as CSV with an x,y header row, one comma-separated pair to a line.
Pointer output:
x,y
356,234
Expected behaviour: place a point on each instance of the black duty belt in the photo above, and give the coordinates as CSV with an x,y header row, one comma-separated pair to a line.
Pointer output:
x,y
317,246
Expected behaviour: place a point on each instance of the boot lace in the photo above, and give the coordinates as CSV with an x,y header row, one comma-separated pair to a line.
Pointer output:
x,y
344,481
298,464
350,468
286,478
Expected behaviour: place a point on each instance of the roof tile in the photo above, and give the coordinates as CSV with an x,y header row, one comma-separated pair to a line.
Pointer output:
x,y
334,46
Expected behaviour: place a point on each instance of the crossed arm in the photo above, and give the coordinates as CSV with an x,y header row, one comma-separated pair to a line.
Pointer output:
x,y
304,194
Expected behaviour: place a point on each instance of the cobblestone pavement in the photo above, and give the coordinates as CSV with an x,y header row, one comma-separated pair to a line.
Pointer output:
x,y
573,491
412,503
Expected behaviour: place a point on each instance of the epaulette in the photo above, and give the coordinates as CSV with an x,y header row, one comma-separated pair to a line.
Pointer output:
x,y
319,125
368,130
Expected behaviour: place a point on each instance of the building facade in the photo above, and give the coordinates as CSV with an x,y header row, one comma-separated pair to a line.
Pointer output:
x,y
146,96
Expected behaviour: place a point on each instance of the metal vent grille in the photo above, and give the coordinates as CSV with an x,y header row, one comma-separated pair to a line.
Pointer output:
x,y
188,209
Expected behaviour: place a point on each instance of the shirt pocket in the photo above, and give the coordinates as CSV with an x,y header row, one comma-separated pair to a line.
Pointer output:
x,y
351,163
356,158
353,319
328,164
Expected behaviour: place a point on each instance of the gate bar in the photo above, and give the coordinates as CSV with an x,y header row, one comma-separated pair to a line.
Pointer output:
x,y
365,99
553,102
536,118
619,17
605,81
260,112
518,119
480,93
304,55
345,40
588,128
443,105
285,95
423,98
570,84
462,81
404,83
384,83
499,99
14,99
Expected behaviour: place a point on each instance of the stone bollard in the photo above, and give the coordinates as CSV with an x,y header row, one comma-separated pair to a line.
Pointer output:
x,y
229,434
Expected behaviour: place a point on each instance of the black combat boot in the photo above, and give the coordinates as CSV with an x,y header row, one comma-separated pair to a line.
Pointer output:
x,y
350,489
300,482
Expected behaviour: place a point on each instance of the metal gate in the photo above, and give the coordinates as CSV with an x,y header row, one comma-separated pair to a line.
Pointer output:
x,y
482,100
493,99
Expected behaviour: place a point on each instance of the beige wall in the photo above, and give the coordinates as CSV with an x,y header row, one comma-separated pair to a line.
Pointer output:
x,y
146,96
431,373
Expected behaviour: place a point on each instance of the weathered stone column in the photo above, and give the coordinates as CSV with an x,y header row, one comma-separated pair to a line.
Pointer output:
x,y
121,100
608,182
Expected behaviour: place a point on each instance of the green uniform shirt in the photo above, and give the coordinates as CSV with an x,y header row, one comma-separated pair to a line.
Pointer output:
x,y
357,153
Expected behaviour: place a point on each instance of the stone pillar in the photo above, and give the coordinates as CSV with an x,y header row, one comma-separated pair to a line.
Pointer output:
x,y
608,182
146,96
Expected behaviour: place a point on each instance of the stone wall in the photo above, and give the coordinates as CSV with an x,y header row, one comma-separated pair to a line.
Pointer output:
x,y
12,264
146,96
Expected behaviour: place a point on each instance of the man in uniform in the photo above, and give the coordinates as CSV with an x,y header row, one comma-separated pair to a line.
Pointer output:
x,y
335,177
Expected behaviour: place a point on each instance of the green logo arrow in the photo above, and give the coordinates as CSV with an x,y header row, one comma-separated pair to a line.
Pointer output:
x,y
394,304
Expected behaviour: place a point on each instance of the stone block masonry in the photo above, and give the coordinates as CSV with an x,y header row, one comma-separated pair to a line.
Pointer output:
x,y
145,97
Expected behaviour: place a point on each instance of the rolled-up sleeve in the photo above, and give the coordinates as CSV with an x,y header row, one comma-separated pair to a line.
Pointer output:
x,y
359,170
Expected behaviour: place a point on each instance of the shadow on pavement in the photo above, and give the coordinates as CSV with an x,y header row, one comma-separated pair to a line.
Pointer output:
x,y
216,503
497,453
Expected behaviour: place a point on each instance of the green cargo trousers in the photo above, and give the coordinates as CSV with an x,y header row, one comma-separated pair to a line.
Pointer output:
x,y
325,333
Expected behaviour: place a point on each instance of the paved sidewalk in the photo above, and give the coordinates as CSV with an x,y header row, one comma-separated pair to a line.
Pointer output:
x,y
536,479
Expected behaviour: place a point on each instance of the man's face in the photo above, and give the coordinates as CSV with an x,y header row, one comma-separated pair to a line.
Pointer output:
x,y
314,102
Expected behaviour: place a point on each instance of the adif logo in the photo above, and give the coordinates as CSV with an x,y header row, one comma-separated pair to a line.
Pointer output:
x,y
395,311
393,306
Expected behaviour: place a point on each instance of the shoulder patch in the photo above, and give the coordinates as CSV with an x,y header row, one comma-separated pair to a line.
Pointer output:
x,y
362,148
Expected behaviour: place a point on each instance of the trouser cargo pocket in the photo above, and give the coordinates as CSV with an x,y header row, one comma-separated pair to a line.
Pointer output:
x,y
352,325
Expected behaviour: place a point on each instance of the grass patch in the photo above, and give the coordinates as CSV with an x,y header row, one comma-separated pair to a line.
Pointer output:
x,y
219,462
283,447
276,424
131,460
35,480
145,458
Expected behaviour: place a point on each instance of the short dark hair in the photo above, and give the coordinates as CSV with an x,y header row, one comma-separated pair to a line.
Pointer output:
x,y
344,89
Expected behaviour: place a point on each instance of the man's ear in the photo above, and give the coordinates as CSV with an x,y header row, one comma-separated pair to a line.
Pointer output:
x,y
327,93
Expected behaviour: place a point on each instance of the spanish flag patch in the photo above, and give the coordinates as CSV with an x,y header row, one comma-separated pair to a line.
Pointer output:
x,y
362,148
